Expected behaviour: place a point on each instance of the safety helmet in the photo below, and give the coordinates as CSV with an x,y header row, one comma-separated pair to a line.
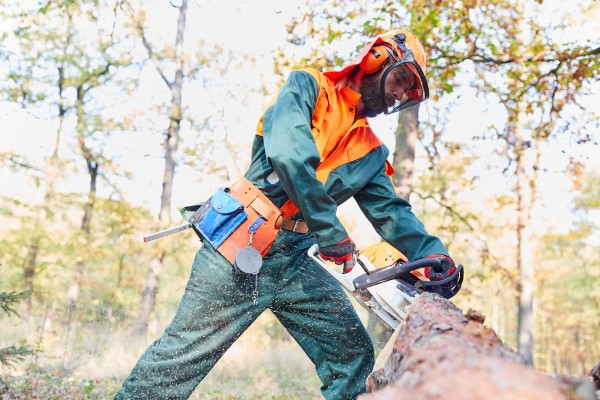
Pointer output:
x,y
393,51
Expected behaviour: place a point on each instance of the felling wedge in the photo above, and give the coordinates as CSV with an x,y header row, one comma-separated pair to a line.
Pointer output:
x,y
386,284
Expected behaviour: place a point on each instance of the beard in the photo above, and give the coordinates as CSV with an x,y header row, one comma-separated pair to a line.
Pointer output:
x,y
370,94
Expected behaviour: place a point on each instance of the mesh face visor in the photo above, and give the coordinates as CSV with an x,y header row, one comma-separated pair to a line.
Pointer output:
x,y
414,94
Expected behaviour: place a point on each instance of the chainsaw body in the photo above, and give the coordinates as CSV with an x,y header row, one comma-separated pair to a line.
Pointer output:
x,y
385,283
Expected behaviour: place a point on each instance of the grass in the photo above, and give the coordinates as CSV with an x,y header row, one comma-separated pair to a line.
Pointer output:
x,y
55,384
280,372
260,365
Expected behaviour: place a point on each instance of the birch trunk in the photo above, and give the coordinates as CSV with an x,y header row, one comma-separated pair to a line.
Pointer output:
x,y
526,319
526,177
171,144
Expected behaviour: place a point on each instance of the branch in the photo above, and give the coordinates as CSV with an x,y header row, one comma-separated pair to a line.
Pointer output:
x,y
11,158
585,54
112,31
147,45
153,56
453,60
447,207
7,300
12,354
496,265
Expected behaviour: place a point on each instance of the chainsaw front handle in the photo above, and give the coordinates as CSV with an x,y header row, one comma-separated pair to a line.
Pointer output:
x,y
344,279
351,263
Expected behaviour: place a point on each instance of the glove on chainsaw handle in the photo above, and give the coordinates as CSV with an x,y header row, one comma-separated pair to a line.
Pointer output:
x,y
349,265
438,274
340,253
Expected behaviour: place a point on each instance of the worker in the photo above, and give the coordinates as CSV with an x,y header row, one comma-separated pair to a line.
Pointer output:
x,y
312,151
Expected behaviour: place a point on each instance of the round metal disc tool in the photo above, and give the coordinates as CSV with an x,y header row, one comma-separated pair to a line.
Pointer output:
x,y
248,260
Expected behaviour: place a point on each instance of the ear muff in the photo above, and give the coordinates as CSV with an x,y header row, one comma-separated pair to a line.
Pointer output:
x,y
375,59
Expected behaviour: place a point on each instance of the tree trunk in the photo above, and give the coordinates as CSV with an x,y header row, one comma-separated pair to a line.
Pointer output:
x,y
439,353
525,192
73,292
51,173
86,220
120,270
171,144
30,269
149,294
526,320
407,134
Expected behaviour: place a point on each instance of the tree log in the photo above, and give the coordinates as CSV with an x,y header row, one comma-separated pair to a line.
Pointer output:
x,y
595,376
439,353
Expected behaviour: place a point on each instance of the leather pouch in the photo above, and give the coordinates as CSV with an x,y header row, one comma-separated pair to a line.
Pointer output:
x,y
219,217
226,219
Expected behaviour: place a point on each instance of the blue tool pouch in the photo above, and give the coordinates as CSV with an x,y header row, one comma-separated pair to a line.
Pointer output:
x,y
218,218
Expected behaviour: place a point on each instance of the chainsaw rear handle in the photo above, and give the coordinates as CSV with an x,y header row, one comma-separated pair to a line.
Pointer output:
x,y
457,273
437,267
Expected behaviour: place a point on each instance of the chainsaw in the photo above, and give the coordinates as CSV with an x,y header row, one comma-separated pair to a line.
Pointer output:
x,y
386,283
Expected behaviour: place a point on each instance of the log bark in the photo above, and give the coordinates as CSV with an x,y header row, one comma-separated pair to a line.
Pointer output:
x,y
439,353
595,377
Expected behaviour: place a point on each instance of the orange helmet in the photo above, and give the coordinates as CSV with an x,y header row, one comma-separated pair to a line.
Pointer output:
x,y
403,50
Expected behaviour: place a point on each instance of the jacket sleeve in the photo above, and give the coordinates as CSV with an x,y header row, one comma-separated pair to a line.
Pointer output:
x,y
292,151
394,221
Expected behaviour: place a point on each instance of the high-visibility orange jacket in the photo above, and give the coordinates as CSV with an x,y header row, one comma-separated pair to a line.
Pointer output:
x,y
309,149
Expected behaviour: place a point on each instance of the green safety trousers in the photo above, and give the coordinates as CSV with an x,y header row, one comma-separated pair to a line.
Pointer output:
x,y
217,308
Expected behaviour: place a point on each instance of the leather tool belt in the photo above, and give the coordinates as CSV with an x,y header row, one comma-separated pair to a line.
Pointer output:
x,y
243,216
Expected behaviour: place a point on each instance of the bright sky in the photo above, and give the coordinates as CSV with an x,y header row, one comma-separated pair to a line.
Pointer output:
x,y
256,27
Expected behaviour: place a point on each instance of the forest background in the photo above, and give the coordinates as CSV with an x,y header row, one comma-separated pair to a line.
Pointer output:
x,y
117,113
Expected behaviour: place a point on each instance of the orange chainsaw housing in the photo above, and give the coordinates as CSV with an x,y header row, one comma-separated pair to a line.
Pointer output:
x,y
383,255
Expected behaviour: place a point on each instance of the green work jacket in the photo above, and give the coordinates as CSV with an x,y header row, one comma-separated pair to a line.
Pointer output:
x,y
309,149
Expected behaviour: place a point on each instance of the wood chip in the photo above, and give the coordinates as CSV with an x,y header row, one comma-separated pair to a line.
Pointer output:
x,y
475,316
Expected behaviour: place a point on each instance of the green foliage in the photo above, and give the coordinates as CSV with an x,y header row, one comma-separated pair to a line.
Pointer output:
x,y
8,300
54,384
13,354
568,287
501,48
590,194
50,64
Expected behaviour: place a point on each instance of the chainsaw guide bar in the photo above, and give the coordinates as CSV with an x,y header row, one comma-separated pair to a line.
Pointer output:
x,y
388,300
